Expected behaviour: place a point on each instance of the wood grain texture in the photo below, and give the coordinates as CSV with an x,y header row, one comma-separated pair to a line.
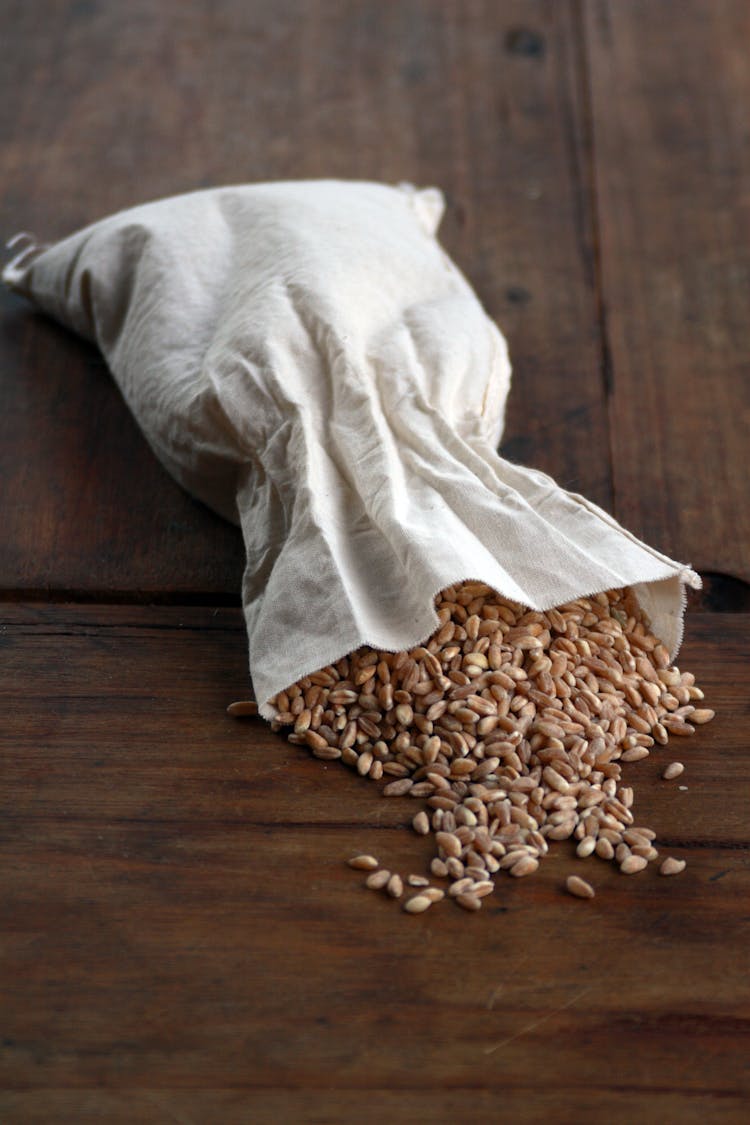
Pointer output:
x,y
670,88
178,914
168,674
182,939
135,101
469,1105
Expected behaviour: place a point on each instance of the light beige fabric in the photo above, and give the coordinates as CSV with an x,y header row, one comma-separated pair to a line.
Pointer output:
x,y
304,358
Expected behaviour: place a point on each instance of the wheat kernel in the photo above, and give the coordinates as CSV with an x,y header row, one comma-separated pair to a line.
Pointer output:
x,y
579,887
672,866
674,769
363,862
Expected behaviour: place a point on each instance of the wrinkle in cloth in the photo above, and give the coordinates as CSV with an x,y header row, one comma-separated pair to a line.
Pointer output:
x,y
306,359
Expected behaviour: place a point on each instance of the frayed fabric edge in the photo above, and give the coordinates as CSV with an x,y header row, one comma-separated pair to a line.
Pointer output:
x,y
685,575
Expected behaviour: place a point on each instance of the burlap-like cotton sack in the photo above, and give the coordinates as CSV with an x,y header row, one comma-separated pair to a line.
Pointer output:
x,y
304,358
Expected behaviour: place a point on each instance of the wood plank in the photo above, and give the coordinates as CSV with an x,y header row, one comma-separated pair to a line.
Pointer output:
x,y
482,100
177,915
218,959
670,89
168,673
86,505
469,1105
181,937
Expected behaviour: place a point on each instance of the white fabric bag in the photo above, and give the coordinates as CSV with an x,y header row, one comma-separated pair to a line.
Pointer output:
x,y
305,359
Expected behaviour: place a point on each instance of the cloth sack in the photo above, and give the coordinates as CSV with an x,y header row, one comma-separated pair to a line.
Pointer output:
x,y
305,359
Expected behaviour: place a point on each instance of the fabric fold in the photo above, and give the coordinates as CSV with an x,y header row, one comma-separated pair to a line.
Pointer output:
x,y
306,359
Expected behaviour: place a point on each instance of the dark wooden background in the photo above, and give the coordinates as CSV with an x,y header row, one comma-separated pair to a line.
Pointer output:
x,y
181,939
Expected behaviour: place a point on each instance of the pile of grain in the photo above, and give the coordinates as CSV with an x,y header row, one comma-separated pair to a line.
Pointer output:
x,y
509,725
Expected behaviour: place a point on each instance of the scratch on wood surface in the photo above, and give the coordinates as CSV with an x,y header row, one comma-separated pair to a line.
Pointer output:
x,y
536,1023
496,991
493,996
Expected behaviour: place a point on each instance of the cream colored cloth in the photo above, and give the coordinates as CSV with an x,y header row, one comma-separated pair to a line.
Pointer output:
x,y
305,358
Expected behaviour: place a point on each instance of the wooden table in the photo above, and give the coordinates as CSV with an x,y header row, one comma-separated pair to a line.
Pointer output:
x,y
182,940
